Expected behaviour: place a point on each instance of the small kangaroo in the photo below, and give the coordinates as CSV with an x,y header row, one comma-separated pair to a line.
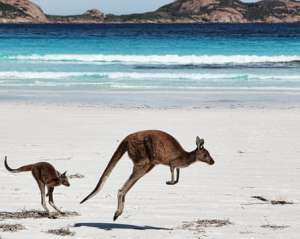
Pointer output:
x,y
45,175
147,149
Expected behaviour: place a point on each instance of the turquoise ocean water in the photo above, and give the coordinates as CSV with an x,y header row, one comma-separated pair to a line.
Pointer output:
x,y
80,59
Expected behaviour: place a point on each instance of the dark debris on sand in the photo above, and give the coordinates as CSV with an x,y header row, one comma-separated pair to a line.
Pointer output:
x,y
273,202
76,175
199,225
33,214
280,202
61,232
11,227
274,227
260,198
213,223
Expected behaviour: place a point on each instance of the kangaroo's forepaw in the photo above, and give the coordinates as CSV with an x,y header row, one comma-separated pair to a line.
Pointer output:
x,y
170,183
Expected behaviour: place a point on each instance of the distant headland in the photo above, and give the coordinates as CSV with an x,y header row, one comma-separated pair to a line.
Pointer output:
x,y
180,11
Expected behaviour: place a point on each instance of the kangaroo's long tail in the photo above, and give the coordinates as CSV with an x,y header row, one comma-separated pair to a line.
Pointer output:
x,y
18,170
122,148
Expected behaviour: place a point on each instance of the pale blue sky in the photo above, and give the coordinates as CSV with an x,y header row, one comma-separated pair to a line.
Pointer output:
x,y
65,7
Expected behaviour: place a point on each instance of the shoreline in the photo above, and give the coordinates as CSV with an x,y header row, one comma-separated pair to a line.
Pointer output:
x,y
156,99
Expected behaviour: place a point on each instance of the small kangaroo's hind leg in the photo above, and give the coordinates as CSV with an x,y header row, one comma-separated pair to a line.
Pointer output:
x,y
51,201
137,173
173,182
42,190
43,197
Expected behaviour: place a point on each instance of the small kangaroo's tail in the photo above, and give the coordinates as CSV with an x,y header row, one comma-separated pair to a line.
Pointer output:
x,y
18,170
122,148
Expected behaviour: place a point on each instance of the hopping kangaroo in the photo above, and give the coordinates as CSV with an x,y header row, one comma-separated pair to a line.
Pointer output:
x,y
147,149
45,175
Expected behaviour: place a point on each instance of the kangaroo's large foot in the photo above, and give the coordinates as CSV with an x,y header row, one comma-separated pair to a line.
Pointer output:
x,y
52,216
117,214
53,205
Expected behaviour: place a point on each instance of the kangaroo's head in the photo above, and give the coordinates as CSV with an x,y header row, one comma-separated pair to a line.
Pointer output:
x,y
64,179
201,153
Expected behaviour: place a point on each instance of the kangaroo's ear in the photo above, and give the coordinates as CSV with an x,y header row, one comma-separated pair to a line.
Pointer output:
x,y
199,142
64,174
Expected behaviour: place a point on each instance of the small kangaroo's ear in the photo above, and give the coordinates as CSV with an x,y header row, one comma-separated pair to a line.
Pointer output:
x,y
64,174
199,142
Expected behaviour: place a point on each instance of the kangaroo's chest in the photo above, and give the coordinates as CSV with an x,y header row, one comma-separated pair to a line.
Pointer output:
x,y
50,178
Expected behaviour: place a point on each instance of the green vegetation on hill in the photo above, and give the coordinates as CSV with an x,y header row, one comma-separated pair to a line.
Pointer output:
x,y
9,10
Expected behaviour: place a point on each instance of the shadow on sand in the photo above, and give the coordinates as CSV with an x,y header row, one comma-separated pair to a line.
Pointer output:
x,y
111,226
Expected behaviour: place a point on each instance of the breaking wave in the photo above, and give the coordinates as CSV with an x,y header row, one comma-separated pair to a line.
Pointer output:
x,y
160,59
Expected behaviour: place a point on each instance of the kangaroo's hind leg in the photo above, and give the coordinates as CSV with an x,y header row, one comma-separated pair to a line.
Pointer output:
x,y
137,173
51,201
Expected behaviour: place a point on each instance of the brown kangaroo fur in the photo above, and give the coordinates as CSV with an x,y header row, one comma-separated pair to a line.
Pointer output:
x,y
46,176
147,149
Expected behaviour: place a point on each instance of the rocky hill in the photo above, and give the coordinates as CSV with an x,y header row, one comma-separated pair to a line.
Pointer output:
x,y
90,16
24,11
21,11
229,11
180,11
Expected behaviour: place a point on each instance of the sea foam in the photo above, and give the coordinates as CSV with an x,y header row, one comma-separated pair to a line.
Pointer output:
x,y
99,76
160,59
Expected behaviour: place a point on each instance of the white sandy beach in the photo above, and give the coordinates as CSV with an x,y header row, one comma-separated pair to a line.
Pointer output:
x,y
256,151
